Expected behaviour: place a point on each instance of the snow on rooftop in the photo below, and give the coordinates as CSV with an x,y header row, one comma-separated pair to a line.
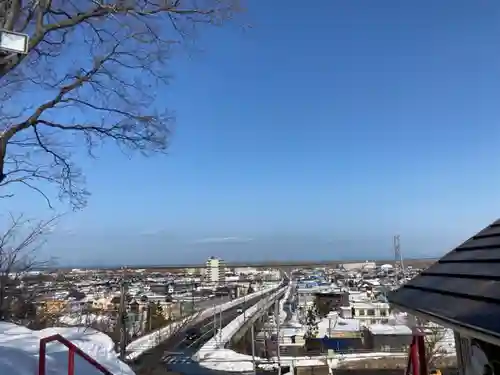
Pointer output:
x,y
19,348
337,325
399,318
387,329
373,282
369,304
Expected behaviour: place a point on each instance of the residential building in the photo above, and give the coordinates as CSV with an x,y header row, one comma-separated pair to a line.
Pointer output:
x,y
215,270
385,337
331,301
370,312
53,306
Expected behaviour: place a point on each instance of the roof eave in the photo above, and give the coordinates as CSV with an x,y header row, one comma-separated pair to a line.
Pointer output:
x,y
455,326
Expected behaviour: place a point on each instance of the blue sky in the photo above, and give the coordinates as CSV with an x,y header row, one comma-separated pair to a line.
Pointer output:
x,y
320,132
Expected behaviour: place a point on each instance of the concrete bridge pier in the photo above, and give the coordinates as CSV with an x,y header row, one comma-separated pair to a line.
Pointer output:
x,y
242,342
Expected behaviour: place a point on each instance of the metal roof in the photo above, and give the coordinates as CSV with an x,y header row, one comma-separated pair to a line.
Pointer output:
x,y
462,289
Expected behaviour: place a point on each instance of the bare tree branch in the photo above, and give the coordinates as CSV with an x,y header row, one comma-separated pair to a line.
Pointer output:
x,y
435,337
92,76
19,244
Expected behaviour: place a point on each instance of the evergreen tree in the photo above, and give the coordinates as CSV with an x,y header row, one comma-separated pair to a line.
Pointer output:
x,y
311,323
156,316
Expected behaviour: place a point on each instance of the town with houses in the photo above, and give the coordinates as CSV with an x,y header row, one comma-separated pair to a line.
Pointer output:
x,y
328,317
293,141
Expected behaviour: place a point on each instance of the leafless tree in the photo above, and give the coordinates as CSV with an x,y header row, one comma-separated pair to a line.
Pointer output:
x,y
18,246
435,345
91,77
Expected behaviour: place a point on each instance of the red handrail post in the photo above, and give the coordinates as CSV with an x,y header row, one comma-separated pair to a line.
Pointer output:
x,y
422,360
410,360
71,361
73,349
417,361
414,357
41,358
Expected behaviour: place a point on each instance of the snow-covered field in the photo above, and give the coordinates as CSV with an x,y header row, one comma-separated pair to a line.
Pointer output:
x,y
19,347
137,347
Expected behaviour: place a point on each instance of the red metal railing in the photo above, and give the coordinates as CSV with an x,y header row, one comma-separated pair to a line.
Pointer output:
x,y
72,350
417,361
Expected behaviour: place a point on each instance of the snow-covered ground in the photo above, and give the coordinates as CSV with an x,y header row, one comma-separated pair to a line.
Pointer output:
x,y
19,347
137,347
229,360
282,303
214,356
84,319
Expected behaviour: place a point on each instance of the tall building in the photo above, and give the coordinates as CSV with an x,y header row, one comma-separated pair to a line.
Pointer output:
x,y
215,270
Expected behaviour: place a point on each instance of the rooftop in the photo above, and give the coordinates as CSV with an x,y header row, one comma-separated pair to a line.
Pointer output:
x,y
369,304
337,325
462,289
386,329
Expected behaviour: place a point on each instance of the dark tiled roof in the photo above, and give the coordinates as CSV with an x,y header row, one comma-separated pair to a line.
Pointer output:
x,y
463,287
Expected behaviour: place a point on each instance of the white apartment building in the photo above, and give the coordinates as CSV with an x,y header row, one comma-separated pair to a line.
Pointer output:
x,y
368,312
215,270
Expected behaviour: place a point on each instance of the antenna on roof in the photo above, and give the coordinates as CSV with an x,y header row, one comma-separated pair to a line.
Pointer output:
x,y
398,258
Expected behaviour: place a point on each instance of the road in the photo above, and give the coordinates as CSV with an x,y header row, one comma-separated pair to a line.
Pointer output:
x,y
174,354
178,359
205,304
188,304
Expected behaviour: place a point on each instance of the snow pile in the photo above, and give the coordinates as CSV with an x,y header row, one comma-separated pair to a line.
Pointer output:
x,y
19,347
228,360
137,347
353,357
85,319
231,361
282,303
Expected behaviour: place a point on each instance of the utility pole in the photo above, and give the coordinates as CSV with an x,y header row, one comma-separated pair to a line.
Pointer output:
x,y
277,318
192,295
150,315
219,334
252,329
220,325
244,308
215,321
122,319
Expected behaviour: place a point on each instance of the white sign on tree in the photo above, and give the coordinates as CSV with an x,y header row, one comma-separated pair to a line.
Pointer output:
x,y
13,42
